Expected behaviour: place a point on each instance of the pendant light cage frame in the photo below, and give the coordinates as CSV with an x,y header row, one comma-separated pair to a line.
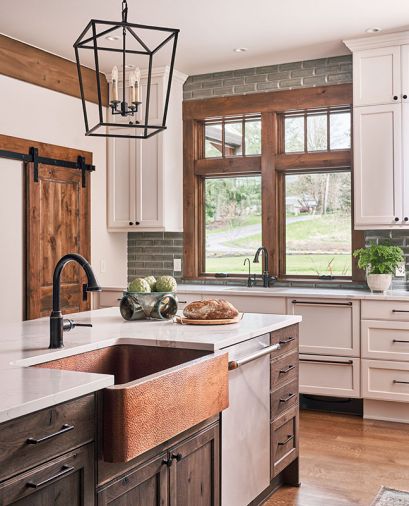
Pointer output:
x,y
98,28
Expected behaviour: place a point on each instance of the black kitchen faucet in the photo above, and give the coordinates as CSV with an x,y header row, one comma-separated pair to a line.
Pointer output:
x,y
57,323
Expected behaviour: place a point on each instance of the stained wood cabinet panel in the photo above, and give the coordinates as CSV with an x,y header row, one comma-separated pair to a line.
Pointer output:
x,y
70,425
329,326
183,474
145,486
65,481
195,476
377,76
378,175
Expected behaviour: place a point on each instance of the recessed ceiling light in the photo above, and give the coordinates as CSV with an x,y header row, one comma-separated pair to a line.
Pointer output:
x,y
240,49
112,37
374,29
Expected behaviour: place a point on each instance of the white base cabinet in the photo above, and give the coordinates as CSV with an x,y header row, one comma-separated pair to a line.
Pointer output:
x,y
145,176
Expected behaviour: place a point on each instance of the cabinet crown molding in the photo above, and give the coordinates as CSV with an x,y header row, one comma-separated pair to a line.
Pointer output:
x,y
378,40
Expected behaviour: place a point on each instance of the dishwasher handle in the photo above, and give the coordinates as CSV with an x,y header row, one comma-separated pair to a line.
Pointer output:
x,y
235,364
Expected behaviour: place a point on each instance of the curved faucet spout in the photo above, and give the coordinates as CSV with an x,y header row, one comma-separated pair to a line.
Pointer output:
x,y
56,319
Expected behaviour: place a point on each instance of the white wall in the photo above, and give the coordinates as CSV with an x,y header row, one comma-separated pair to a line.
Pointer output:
x,y
36,113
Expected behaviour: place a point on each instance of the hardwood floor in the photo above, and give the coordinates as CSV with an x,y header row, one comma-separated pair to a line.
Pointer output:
x,y
345,460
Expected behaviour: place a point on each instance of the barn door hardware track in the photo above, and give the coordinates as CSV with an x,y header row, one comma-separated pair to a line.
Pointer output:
x,y
33,157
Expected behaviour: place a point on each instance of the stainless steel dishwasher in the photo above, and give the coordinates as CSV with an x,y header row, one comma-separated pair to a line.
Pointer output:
x,y
246,422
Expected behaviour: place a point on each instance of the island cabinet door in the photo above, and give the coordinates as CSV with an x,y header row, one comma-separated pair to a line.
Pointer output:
x,y
146,485
329,326
195,472
65,481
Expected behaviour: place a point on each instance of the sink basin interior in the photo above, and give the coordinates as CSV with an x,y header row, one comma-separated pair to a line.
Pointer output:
x,y
126,362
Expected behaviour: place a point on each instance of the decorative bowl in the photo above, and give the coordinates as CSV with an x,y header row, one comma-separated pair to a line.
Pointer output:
x,y
151,305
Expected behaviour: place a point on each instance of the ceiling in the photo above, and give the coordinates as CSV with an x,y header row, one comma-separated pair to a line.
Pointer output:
x,y
273,31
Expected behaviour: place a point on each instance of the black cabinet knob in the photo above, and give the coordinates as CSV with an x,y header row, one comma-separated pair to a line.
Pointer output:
x,y
404,96
177,457
396,219
405,218
395,97
131,222
137,223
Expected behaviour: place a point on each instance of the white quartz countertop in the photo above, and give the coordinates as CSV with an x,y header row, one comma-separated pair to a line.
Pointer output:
x,y
326,293
24,390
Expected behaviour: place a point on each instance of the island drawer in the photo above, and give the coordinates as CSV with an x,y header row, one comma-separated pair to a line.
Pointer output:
x,y
284,398
287,338
385,310
35,438
328,375
284,444
388,340
284,369
385,381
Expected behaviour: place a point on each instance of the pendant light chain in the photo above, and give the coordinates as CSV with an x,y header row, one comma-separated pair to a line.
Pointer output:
x,y
124,11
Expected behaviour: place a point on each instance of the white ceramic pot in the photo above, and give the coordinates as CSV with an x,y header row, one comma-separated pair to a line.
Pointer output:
x,y
379,282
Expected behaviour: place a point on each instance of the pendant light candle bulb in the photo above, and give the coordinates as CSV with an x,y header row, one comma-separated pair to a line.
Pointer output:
x,y
132,87
115,84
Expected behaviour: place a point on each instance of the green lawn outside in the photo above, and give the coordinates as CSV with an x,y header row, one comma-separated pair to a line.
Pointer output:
x,y
296,264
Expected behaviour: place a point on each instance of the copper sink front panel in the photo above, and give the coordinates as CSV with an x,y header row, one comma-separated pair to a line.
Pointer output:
x,y
138,417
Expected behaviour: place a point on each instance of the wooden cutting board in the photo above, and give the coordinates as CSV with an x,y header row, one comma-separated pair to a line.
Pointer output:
x,y
189,321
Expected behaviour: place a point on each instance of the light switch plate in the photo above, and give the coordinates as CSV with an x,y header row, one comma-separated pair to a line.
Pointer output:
x,y
400,270
177,264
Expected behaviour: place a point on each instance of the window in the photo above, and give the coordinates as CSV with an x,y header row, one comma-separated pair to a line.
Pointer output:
x,y
292,194
232,207
318,224
233,136
310,131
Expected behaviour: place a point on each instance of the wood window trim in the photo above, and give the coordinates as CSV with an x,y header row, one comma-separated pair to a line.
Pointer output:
x,y
270,165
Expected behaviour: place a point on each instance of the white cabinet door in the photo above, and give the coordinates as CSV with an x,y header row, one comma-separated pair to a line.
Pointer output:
x,y
121,176
405,159
377,76
405,72
328,327
378,166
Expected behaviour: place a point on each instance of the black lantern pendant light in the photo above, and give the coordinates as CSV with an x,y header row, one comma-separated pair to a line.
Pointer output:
x,y
128,111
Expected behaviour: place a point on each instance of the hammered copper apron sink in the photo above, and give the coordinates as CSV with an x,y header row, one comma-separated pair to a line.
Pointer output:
x,y
159,392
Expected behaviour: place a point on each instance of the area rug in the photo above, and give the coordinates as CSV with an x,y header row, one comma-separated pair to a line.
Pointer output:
x,y
391,497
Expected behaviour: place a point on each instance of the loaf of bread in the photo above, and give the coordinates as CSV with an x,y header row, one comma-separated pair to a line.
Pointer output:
x,y
214,309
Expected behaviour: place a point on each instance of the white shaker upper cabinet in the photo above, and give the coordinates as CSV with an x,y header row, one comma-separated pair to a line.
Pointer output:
x,y
377,76
145,176
378,190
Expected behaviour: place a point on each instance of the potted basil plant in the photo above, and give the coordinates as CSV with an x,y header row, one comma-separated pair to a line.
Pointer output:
x,y
380,262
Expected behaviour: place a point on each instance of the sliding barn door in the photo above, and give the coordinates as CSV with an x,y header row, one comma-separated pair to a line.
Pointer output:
x,y
57,223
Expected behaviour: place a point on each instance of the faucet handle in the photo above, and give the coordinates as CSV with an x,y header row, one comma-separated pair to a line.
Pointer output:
x,y
71,324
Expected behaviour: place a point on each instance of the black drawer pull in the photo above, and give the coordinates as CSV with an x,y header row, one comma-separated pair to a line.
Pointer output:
x,y
400,310
288,398
182,301
287,369
400,341
65,428
401,382
289,438
64,470
334,362
310,303
286,341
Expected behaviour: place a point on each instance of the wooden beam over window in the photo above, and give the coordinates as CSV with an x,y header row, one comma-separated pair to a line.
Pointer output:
x,y
35,66
274,101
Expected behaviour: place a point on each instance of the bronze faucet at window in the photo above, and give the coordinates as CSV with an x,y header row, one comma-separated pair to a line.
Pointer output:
x,y
267,279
